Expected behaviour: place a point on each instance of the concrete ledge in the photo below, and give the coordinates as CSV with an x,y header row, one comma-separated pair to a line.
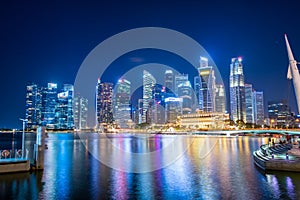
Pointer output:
x,y
283,165
14,166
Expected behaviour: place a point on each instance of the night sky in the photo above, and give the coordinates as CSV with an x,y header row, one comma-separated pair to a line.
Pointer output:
x,y
46,41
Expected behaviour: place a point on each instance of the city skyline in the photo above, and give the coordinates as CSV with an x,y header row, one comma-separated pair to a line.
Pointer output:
x,y
40,46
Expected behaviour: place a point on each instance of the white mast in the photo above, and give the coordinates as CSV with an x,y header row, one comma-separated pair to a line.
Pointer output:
x,y
293,72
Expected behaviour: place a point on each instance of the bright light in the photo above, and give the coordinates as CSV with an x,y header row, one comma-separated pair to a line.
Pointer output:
x,y
240,59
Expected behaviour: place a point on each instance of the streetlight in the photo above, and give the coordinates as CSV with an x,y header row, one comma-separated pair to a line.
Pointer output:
x,y
23,137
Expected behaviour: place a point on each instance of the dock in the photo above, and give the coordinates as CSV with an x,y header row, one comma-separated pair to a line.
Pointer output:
x,y
279,157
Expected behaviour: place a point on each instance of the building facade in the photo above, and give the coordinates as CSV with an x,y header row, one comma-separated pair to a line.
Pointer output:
x,y
122,107
80,112
148,83
104,103
237,91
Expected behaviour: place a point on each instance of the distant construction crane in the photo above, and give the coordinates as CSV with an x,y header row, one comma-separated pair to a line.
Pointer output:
x,y
293,72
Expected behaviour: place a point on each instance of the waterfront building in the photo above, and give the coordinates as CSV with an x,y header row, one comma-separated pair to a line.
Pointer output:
x,y
204,120
173,109
249,104
64,118
49,105
185,92
220,105
179,79
148,83
33,106
258,107
207,86
279,113
169,81
104,103
237,91
122,107
80,112
197,92
158,104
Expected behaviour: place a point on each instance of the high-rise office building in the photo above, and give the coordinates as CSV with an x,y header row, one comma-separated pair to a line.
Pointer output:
x,y
104,103
179,79
64,118
207,89
249,104
33,106
169,81
158,104
80,112
173,109
49,105
220,105
197,92
122,107
185,92
258,107
237,91
279,113
148,83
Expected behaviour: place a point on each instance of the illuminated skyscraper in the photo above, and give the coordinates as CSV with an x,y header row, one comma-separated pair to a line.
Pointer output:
x,y
237,91
64,118
49,105
179,79
122,108
173,109
258,107
185,92
249,99
104,103
158,103
148,83
33,106
279,113
80,112
220,105
169,81
207,86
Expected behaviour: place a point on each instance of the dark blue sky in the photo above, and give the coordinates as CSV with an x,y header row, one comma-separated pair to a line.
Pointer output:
x,y
46,41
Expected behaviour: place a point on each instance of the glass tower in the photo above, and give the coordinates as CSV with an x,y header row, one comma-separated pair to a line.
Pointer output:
x,y
148,83
122,108
33,106
237,91
80,112
104,103
249,104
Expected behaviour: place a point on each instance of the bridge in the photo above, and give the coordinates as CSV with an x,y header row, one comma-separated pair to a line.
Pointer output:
x,y
249,131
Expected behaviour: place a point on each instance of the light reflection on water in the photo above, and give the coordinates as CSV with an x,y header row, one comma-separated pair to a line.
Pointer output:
x,y
212,168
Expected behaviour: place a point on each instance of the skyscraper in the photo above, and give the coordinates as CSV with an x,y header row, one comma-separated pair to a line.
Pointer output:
x,y
207,89
249,104
49,104
158,110
169,81
80,112
185,92
237,91
122,108
258,107
179,79
33,106
279,113
173,109
220,105
104,103
148,83
64,118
